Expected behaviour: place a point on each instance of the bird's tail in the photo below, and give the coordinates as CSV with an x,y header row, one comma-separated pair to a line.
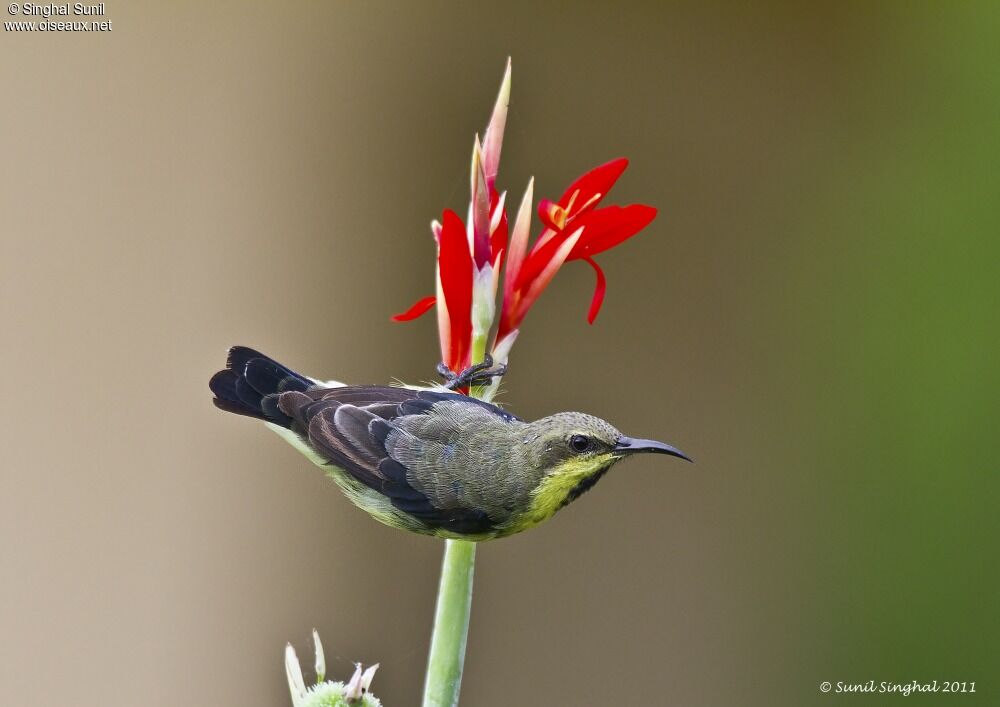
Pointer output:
x,y
251,383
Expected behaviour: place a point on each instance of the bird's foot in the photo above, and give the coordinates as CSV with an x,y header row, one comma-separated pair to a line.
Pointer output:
x,y
479,374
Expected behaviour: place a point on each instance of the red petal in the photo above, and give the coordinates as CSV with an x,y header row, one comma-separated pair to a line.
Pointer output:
x,y
455,266
506,325
599,180
605,228
417,310
498,241
536,261
599,290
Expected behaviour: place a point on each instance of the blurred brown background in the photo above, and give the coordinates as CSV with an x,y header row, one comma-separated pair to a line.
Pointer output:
x,y
811,317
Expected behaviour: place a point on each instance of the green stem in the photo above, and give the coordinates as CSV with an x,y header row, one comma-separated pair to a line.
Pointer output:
x,y
451,625
454,602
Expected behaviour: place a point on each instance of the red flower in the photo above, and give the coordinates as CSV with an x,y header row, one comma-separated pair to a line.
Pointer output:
x,y
470,255
455,278
575,230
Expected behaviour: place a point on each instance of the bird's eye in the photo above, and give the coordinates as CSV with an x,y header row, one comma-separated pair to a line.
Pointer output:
x,y
579,443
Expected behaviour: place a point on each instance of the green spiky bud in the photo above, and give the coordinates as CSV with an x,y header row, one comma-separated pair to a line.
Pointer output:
x,y
353,693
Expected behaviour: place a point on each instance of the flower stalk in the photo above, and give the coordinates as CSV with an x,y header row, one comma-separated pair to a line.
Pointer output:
x,y
451,625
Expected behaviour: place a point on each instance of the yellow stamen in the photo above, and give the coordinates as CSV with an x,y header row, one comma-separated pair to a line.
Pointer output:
x,y
557,215
560,216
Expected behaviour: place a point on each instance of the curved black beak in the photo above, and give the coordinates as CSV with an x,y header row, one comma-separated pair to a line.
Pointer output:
x,y
631,445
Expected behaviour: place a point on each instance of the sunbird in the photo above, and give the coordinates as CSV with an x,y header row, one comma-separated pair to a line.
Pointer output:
x,y
431,461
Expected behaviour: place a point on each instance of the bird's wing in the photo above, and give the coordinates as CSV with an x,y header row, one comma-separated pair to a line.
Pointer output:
x,y
381,435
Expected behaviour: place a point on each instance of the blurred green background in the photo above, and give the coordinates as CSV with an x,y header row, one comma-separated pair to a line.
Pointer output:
x,y
813,316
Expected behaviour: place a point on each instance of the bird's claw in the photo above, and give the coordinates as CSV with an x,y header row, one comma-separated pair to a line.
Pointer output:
x,y
478,374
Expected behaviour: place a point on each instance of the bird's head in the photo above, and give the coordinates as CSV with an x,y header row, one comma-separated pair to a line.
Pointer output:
x,y
575,450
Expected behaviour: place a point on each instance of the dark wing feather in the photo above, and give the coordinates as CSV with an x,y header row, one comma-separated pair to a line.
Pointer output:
x,y
349,427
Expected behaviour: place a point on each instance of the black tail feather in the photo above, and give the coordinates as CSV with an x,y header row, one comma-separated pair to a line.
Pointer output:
x,y
238,356
251,383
